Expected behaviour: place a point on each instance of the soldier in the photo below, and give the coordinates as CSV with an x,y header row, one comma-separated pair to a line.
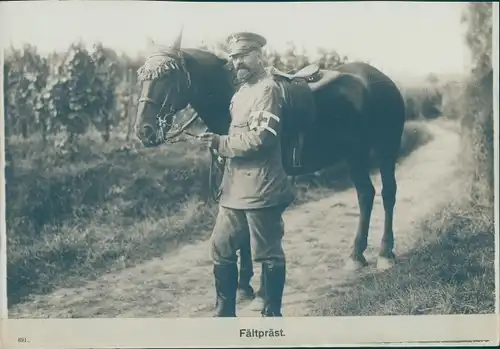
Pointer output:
x,y
255,188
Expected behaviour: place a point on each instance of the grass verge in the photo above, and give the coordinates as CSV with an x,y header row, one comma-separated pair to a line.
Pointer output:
x,y
451,271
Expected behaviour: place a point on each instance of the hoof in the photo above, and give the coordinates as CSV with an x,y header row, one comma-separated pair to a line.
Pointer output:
x,y
384,263
257,304
355,264
245,294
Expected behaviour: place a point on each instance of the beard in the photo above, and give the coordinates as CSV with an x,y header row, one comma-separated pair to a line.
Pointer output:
x,y
242,74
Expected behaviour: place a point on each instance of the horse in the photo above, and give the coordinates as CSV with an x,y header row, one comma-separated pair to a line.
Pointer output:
x,y
343,115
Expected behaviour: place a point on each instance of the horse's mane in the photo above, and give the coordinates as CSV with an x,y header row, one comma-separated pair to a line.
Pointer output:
x,y
205,57
163,59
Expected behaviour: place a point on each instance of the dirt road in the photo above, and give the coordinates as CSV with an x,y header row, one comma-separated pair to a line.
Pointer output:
x,y
318,237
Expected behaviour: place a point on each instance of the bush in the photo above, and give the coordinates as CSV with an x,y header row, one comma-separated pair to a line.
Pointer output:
x,y
477,141
422,102
477,121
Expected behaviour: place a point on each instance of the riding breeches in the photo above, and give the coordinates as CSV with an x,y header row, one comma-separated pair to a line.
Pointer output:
x,y
265,227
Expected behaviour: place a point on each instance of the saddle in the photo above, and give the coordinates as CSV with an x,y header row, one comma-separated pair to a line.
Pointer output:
x,y
299,109
310,73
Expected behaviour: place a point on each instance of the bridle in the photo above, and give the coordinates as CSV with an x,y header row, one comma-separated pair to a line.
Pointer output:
x,y
162,120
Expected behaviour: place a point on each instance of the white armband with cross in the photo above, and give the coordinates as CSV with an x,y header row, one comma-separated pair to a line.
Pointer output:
x,y
264,120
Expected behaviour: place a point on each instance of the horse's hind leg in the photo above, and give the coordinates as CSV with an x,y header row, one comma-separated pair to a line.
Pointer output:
x,y
359,169
389,188
387,150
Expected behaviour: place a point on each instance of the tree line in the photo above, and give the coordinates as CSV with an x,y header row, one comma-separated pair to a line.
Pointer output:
x,y
70,92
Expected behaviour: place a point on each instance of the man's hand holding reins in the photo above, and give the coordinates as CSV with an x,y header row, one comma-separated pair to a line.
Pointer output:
x,y
210,139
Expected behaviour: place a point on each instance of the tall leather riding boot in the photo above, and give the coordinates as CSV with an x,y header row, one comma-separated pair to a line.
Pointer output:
x,y
274,284
226,282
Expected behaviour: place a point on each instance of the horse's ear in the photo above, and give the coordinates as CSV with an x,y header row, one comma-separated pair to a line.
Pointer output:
x,y
178,40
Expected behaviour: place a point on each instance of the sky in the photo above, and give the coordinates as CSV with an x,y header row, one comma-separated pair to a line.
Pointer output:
x,y
404,39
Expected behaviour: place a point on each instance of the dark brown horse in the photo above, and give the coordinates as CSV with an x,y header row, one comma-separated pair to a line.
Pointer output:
x,y
349,112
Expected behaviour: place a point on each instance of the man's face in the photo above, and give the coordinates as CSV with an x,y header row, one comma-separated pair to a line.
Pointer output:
x,y
245,64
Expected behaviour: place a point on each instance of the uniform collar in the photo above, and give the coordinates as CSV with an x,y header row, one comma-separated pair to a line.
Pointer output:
x,y
254,79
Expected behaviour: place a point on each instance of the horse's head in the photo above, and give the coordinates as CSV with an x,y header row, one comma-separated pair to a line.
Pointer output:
x,y
165,90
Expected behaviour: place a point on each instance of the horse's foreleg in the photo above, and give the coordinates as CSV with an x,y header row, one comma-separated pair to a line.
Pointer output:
x,y
360,175
245,290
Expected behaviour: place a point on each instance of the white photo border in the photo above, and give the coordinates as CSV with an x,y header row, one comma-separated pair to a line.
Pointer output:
x,y
231,332
446,330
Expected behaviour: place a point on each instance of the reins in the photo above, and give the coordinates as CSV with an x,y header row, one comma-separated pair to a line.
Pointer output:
x,y
215,164
170,139
214,193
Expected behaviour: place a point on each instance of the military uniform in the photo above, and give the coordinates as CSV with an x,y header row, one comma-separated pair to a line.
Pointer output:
x,y
255,188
